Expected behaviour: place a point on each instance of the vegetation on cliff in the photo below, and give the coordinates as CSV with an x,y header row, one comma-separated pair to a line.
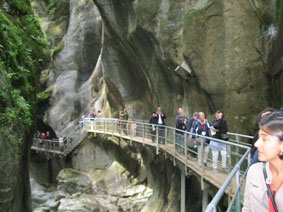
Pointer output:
x,y
22,49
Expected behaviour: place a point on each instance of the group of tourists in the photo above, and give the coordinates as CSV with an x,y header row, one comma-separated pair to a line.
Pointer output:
x,y
91,115
44,139
200,129
196,127
42,136
264,184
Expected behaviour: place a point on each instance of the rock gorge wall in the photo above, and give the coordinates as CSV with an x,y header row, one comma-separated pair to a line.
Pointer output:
x,y
118,53
22,52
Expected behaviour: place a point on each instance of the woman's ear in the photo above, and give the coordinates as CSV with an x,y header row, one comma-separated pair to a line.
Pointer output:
x,y
281,148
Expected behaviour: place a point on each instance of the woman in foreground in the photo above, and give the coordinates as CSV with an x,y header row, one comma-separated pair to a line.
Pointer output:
x,y
264,189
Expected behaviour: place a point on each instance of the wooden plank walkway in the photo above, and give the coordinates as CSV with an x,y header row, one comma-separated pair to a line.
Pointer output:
x,y
214,178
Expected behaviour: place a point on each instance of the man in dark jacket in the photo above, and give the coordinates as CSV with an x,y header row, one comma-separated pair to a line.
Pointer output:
x,y
160,124
192,121
153,122
180,133
202,128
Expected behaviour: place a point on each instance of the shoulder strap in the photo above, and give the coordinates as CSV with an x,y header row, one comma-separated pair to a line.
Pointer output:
x,y
268,188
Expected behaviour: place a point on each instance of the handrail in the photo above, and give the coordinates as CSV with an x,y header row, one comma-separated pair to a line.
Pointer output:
x,y
171,144
228,133
214,202
236,170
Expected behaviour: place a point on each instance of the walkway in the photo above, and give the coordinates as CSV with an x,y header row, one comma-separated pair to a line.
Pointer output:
x,y
171,139
142,134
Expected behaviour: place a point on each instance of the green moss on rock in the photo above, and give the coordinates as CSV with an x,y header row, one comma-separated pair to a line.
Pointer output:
x,y
44,76
57,49
45,94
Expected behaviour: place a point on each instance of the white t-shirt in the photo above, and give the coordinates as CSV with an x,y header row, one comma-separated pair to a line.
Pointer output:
x,y
159,119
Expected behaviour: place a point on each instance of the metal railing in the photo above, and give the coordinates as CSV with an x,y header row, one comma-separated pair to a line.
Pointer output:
x,y
184,146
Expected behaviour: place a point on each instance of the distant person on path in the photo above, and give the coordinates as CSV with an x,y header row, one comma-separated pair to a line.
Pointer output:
x,y
180,135
92,115
134,128
190,126
61,142
202,128
254,151
82,123
124,116
220,128
48,137
160,124
99,115
43,139
153,122
38,134
192,121
180,113
264,184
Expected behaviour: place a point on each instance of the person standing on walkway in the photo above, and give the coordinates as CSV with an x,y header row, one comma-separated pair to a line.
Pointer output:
x,y
192,121
82,123
160,124
134,128
264,184
180,113
180,134
220,128
202,128
43,140
192,147
178,123
153,122
124,116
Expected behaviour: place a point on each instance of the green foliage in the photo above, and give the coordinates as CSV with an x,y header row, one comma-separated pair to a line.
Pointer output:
x,y
22,50
191,14
57,8
44,76
278,11
57,49
45,94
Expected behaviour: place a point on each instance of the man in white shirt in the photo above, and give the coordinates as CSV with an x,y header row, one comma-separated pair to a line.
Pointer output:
x,y
160,124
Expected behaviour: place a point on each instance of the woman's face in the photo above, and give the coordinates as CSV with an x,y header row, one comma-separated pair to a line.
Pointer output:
x,y
216,116
268,146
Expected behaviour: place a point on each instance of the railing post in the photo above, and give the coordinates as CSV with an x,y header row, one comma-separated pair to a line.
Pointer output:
x,y
174,142
131,134
91,125
165,135
238,182
157,140
237,138
183,191
113,127
229,158
186,151
143,133
104,120
249,159
201,158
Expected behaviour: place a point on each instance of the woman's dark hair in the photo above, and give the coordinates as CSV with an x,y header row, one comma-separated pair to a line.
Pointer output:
x,y
220,111
153,113
273,124
267,109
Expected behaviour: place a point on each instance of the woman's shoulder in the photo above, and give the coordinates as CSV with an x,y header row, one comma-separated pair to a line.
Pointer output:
x,y
255,170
